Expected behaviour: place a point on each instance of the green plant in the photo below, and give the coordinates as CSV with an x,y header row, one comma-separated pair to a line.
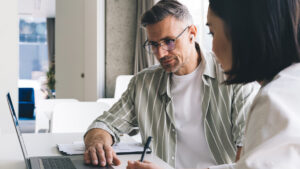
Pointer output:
x,y
51,77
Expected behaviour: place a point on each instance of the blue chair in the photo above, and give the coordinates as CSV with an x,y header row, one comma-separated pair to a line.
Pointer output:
x,y
26,103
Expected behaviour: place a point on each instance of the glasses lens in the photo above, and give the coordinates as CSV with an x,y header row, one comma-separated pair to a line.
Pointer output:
x,y
150,48
153,48
169,44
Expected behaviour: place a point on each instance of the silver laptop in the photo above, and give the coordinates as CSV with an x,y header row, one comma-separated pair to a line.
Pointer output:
x,y
51,162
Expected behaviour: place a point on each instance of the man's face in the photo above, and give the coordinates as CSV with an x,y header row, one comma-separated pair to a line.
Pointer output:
x,y
168,29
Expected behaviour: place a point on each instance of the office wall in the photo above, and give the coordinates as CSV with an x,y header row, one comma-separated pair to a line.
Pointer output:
x,y
120,40
9,65
69,46
94,49
77,50
77,54
101,48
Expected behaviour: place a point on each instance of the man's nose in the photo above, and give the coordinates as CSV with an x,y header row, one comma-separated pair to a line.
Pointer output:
x,y
161,52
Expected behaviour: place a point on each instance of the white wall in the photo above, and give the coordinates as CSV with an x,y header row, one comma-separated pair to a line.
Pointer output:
x,y
38,9
101,48
69,49
77,50
94,49
9,65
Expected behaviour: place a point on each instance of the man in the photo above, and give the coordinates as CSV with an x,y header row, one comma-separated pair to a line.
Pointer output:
x,y
182,103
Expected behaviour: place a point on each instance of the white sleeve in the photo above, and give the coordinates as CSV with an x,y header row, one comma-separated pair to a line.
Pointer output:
x,y
272,139
224,166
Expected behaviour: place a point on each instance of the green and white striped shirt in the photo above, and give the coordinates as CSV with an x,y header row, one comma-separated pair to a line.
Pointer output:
x,y
146,107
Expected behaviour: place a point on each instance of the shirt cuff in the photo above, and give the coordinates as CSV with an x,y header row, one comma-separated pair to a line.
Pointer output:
x,y
239,145
224,166
103,126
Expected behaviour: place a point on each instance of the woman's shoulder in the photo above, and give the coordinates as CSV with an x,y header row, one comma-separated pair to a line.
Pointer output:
x,y
285,83
282,94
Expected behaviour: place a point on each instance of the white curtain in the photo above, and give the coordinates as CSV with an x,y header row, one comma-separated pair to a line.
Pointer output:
x,y
198,9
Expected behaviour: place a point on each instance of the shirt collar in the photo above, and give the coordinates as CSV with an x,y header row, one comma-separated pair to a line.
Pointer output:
x,y
208,62
209,70
165,85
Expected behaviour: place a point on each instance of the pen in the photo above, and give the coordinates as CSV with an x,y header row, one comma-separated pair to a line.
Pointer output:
x,y
145,148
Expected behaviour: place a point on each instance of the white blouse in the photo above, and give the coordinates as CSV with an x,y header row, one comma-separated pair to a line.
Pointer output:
x,y
272,138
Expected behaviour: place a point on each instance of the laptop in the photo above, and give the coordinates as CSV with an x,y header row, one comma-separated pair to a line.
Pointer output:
x,y
51,162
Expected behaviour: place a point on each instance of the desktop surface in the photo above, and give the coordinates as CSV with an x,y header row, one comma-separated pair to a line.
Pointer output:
x,y
11,156
44,144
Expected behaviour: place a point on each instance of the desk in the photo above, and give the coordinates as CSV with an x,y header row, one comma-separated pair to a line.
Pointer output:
x,y
44,144
11,154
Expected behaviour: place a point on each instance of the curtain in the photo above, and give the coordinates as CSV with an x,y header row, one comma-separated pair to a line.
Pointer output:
x,y
51,40
198,10
142,59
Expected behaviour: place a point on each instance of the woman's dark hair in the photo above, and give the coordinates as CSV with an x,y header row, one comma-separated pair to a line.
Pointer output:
x,y
265,36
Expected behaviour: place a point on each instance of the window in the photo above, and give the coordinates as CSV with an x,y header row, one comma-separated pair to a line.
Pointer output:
x,y
33,54
198,9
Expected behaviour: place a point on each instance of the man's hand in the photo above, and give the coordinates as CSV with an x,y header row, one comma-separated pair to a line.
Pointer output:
x,y
98,150
141,165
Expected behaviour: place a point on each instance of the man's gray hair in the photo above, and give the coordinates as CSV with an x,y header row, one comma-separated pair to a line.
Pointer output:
x,y
165,8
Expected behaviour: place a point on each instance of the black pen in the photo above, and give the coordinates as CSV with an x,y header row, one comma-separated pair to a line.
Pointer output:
x,y
145,148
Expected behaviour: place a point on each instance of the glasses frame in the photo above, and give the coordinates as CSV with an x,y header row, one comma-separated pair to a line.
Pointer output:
x,y
162,43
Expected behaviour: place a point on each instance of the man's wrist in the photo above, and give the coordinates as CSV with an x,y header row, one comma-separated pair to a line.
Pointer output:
x,y
98,136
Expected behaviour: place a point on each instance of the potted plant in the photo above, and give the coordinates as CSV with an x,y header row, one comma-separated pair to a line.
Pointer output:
x,y
51,81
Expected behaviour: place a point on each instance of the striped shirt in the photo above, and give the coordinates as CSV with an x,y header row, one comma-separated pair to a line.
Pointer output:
x,y
146,107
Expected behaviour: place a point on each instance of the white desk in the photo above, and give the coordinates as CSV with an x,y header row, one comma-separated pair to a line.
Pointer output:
x,y
11,154
44,144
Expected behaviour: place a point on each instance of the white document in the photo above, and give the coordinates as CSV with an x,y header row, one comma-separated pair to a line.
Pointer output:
x,y
120,148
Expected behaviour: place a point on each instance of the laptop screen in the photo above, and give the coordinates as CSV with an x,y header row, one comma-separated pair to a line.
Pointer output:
x,y
17,127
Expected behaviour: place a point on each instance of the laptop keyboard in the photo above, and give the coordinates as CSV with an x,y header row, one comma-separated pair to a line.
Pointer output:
x,y
58,163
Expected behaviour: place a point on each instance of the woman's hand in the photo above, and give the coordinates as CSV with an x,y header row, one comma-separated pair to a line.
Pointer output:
x,y
141,165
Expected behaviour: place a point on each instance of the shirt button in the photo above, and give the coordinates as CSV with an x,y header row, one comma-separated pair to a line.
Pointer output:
x,y
173,157
173,130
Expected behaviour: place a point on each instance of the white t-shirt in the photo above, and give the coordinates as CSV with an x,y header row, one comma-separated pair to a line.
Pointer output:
x,y
192,150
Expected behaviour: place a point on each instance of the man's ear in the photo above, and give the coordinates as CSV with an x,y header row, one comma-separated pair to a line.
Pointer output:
x,y
193,32
192,37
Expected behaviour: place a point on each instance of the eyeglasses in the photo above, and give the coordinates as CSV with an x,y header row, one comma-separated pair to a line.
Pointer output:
x,y
166,44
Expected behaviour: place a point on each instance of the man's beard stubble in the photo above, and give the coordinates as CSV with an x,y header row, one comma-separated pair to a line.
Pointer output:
x,y
174,67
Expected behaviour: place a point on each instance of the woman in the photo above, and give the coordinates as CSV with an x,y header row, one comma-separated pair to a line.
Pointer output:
x,y
259,40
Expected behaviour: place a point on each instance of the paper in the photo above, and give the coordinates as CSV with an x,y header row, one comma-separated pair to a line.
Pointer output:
x,y
120,148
